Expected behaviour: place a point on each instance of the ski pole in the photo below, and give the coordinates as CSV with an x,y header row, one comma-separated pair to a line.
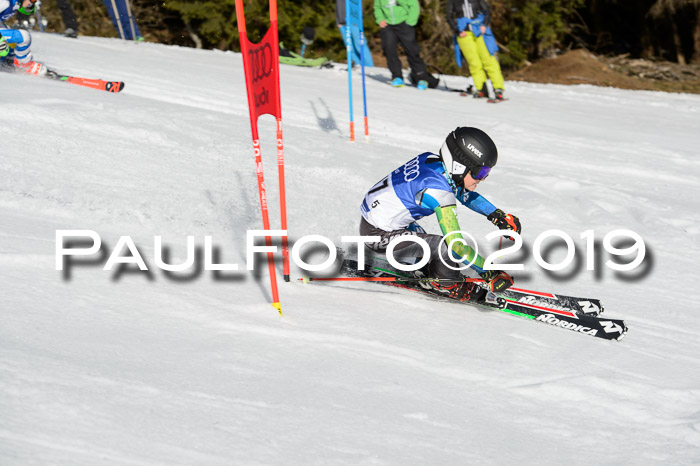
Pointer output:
x,y
364,89
348,52
37,13
418,280
392,279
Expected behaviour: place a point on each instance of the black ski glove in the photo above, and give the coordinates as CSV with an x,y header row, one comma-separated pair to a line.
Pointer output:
x,y
505,221
497,280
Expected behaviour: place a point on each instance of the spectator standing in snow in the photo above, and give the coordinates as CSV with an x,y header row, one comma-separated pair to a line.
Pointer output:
x,y
69,19
469,19
397,20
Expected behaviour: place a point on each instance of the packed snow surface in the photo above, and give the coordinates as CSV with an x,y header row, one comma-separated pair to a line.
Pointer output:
x,y
129,367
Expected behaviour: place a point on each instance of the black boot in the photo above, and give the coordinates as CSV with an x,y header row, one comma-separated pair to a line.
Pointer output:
x,y
461,291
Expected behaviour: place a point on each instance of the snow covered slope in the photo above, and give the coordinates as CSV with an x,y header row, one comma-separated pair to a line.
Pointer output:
x,y
99,367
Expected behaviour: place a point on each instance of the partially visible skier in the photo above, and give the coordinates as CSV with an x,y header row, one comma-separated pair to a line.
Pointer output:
x,y
20,38
431,184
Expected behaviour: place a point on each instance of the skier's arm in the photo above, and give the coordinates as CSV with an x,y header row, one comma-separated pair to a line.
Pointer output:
x,y
442,203
379,12
447,218
479,203
476,202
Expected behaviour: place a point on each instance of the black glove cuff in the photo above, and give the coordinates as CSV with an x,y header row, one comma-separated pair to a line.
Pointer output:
x,y
496,214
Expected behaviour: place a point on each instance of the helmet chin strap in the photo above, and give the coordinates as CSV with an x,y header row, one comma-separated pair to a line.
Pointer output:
x,y
450,180
448,173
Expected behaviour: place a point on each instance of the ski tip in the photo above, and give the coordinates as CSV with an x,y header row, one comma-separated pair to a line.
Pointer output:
x,y
305,279
278,306
114,86
623,332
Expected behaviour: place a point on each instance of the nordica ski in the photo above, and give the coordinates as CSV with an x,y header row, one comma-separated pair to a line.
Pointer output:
x,y
588,306
99,84
576,314
609,329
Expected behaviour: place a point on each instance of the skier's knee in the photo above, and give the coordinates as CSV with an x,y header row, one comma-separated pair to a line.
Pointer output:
x,y
25,38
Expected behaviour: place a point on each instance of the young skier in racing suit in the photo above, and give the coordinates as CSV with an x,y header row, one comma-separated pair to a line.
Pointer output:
x,y
432,184
19,37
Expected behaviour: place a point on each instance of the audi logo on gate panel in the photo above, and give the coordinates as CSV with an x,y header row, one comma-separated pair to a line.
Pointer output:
x,y
261,62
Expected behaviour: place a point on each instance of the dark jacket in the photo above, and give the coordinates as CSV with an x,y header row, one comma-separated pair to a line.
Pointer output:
x,y
340,12
466,8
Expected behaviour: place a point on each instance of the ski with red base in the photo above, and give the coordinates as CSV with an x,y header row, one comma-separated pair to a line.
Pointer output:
x,y
99,84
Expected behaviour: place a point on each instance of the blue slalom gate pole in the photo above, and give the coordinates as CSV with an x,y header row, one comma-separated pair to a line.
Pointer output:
x,y
348,52
364,89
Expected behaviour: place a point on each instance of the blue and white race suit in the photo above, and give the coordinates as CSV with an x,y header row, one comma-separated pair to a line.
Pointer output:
x,y
420,188
7,9
21,38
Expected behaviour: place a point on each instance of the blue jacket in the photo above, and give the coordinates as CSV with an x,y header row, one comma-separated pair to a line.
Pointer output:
x,y
473,25
418,189
8,8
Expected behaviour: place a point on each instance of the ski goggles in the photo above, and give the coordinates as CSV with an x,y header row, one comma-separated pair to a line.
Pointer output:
x,y
480,173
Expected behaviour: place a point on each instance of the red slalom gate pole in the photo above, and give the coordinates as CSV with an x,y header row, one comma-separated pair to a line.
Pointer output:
x,y
283,201
280,146
266,221
261,67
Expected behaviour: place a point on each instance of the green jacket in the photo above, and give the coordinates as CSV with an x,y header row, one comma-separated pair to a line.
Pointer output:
x,y
397,11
